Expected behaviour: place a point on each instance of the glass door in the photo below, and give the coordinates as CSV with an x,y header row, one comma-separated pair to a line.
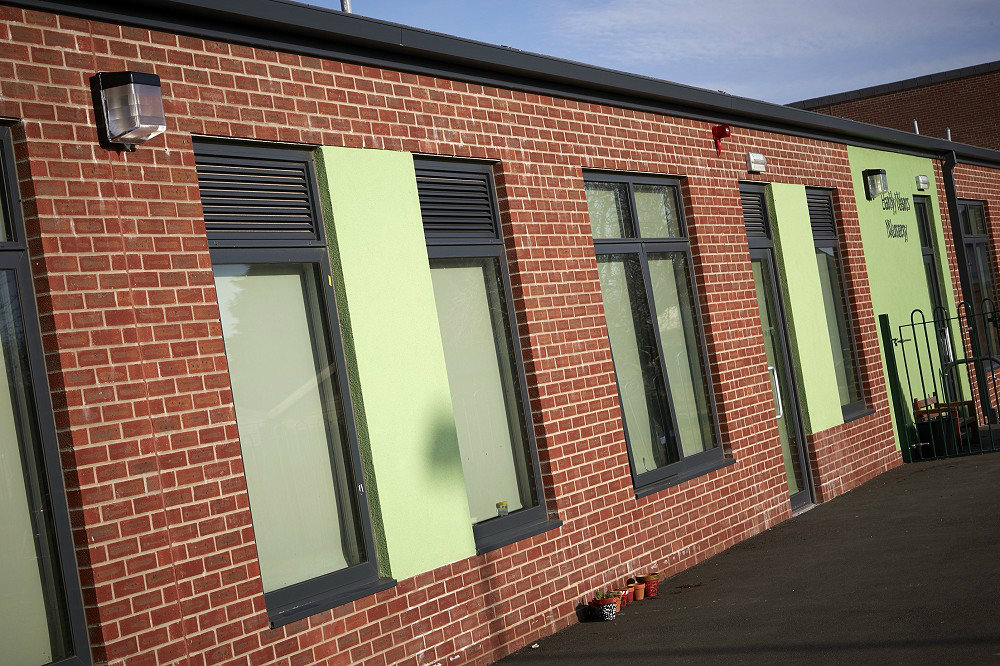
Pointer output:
x,y
786,407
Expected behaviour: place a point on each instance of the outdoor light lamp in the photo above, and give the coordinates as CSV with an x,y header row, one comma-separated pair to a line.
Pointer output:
x,y
756,163
129,108
875,182
923,183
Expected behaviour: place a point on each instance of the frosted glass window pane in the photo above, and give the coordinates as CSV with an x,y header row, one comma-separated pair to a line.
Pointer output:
x,y
656,210
682,353
837,325
33,627
290,421
608,206
637,362
484,385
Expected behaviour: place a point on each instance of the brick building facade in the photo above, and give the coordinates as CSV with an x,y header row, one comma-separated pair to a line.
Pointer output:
x,y
137,371
962,100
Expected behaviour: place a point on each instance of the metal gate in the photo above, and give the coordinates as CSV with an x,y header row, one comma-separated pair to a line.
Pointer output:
x,y
944,381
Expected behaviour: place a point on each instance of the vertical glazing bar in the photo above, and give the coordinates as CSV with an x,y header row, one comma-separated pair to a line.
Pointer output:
x,y
989,317
933,418
946,419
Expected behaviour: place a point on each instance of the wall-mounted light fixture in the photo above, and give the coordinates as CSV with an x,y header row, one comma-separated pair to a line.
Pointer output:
x,y
923,183
720,132
756,163
128,107
875,182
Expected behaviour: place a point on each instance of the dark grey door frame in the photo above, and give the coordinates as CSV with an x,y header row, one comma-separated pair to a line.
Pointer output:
x,y
922,208
791,405
762,248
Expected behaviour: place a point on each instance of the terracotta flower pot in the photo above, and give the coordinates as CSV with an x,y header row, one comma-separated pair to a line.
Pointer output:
x,y
605,609
629,594
639,591
620,595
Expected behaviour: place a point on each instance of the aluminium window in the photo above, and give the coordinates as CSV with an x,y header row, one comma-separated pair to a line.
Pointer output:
x,y
835,301
979,260
41,611
482,352
290,389
654,324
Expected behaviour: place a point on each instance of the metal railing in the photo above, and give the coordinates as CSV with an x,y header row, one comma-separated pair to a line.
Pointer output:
x,y
944,381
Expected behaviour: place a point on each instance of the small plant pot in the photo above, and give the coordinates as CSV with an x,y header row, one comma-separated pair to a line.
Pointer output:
x,y
652,583
639,591
620,595
629,594
605,610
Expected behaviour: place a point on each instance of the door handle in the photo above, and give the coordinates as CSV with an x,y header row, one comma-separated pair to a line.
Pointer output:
x,y
777,391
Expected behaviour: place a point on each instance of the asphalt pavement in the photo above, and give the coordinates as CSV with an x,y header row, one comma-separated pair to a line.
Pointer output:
x,y
905,569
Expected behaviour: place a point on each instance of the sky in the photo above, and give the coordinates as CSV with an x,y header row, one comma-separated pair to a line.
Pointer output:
x,y
776,50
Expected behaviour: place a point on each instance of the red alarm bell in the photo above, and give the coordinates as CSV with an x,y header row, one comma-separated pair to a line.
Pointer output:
x,y
720,132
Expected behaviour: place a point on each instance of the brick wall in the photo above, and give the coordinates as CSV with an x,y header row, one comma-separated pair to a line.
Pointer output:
x,y
138,372
968,106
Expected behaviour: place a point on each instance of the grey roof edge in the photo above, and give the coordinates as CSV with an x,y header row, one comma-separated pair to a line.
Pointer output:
x,y
898,86
290,26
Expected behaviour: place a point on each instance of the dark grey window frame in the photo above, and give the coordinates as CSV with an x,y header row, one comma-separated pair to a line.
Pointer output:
x,y
689,467
988,340
14,257
322,593
497,532
973,240
859,408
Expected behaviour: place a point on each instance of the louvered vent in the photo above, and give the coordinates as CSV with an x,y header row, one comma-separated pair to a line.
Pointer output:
x,y
821,218
455,200
755,215
255,197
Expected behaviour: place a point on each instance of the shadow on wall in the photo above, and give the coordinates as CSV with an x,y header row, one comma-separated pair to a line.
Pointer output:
x,y
443,451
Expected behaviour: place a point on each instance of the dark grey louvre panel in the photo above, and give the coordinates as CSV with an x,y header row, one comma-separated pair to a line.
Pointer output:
x,y
755,215
249,197
456,200
821,217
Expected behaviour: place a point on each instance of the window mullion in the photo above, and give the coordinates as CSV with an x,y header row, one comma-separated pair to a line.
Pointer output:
x,y
666,410
633,217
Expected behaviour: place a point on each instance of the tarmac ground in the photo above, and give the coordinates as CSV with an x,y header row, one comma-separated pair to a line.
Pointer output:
x,y
905,568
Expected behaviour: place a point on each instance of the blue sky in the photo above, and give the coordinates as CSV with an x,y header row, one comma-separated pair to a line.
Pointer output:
x,y
776,50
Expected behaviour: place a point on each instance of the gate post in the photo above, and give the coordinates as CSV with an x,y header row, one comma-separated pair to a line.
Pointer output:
x,y
895,389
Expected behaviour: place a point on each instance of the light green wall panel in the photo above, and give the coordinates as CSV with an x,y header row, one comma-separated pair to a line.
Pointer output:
x,y
406,426
895,265
803,299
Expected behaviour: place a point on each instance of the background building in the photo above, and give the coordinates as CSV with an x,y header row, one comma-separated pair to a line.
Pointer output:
x,y
963,100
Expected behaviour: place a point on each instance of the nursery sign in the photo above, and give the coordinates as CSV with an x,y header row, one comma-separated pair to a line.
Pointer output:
x,y
896,202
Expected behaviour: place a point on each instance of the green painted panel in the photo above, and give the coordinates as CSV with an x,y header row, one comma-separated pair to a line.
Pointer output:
x,y
399,381
812,353
894,261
